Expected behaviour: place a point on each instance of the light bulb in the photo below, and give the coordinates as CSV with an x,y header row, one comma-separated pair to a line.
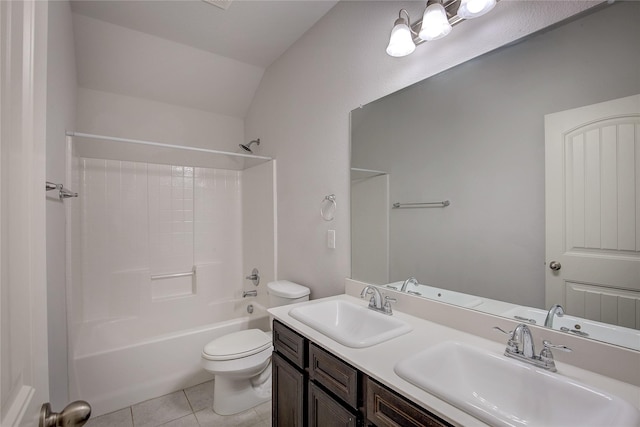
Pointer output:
x,y
401,41
435,23
473,8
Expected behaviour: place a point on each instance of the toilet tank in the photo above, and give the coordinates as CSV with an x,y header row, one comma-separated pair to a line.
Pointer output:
x,y
283,292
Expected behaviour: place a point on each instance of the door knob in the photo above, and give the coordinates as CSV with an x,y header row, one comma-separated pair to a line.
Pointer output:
x,y
555,265
75,414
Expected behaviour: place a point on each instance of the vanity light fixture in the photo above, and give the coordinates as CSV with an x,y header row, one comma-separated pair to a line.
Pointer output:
x,y
401,39
435,23
470,9
438,19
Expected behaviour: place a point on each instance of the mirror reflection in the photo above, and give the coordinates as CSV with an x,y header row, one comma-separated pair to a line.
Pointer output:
x,y
461,155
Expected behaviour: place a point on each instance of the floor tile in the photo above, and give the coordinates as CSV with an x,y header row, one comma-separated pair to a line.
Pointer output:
x,y
200,396
208,418
264,411
163,409
188,421
121,418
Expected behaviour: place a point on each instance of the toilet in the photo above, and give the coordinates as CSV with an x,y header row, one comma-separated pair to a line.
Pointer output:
x,y
241,361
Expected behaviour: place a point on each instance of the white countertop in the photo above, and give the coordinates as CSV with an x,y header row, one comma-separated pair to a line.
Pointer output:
x,y
378,361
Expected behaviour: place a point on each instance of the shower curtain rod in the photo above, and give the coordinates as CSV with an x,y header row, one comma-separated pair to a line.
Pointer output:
x,y
163,145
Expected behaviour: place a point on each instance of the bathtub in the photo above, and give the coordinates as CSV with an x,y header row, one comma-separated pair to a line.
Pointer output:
x,y
117,363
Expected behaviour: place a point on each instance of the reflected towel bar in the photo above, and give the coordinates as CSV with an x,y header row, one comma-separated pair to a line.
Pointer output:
x,y
63,192
171,276
442,204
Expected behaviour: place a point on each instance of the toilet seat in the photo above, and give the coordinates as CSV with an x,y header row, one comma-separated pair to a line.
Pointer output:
x,y
237,345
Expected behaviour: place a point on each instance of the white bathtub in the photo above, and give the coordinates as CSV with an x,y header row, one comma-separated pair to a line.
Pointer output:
x,y
118,363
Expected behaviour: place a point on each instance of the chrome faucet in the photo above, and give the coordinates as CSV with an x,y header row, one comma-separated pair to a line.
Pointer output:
x,y
555,310
410,280
375,303
520,346
253,293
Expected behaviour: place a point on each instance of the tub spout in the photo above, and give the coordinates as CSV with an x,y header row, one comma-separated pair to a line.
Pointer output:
x,y
249,294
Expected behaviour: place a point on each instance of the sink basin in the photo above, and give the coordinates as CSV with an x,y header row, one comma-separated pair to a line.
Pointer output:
x,y
618,335
443,295
504,392
350,324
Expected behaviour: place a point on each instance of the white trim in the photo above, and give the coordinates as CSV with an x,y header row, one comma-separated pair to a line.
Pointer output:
x,y
163,145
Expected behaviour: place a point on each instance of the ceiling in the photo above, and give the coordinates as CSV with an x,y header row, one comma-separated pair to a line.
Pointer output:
x,y
186,52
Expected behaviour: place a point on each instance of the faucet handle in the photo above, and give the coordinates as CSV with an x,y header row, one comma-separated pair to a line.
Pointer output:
x,y
512,344
387,304
498,328
546,356
547,345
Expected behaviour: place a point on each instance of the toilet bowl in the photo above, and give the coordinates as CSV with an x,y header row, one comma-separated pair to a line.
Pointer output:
x,y
241,361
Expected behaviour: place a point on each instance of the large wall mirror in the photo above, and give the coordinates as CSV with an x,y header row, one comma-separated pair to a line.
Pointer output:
x,y
475,136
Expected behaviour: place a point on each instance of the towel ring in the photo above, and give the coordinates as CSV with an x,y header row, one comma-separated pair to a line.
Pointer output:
x,y
328,207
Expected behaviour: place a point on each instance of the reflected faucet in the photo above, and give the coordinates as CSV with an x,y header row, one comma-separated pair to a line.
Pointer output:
x,y
555,310
406,283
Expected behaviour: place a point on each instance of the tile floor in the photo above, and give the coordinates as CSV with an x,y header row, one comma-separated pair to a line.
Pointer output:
x,y
191,407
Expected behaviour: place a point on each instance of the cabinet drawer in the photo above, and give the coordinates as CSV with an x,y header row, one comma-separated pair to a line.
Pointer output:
x,y
325,411
387,409
290,344
334,374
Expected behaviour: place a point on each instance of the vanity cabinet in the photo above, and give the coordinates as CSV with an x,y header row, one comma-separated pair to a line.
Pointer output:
x,y
312,387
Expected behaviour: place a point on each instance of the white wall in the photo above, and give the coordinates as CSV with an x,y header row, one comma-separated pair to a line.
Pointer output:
x,y
116,59
301,111
475,135
130,117
61,111
258,227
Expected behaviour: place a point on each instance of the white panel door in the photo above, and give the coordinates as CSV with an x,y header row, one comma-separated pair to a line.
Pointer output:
x,y
593,205
23,328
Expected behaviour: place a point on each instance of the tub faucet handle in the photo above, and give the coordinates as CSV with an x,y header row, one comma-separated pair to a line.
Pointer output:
x,y
254,277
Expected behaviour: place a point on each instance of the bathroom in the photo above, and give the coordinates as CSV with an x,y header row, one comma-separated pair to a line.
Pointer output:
x,y
338,62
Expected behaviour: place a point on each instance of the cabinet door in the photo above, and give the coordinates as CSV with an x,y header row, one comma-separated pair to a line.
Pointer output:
x,y
326,412
387,409
334,374
288,394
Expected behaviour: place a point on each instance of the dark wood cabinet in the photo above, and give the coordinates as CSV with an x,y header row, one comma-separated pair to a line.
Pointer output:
x,y
288,399
324,411
313,387
290,344
334,374
388,409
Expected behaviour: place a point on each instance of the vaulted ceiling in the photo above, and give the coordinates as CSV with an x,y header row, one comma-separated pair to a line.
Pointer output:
x,y
186,52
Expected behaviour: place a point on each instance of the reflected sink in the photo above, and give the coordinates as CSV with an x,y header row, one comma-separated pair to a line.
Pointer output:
x,y
350,324
504,392
618,335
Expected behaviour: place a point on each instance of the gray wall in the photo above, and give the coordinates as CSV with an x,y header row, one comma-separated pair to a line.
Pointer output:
x,y
301,112
475,135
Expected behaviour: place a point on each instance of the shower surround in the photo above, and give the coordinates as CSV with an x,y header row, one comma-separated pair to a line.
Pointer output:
x,y
134,333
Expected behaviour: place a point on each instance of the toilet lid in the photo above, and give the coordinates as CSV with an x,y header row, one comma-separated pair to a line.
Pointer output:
x,y
237,344
287,289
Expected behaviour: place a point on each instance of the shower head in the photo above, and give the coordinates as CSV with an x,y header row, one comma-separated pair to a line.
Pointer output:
x,y
247,147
